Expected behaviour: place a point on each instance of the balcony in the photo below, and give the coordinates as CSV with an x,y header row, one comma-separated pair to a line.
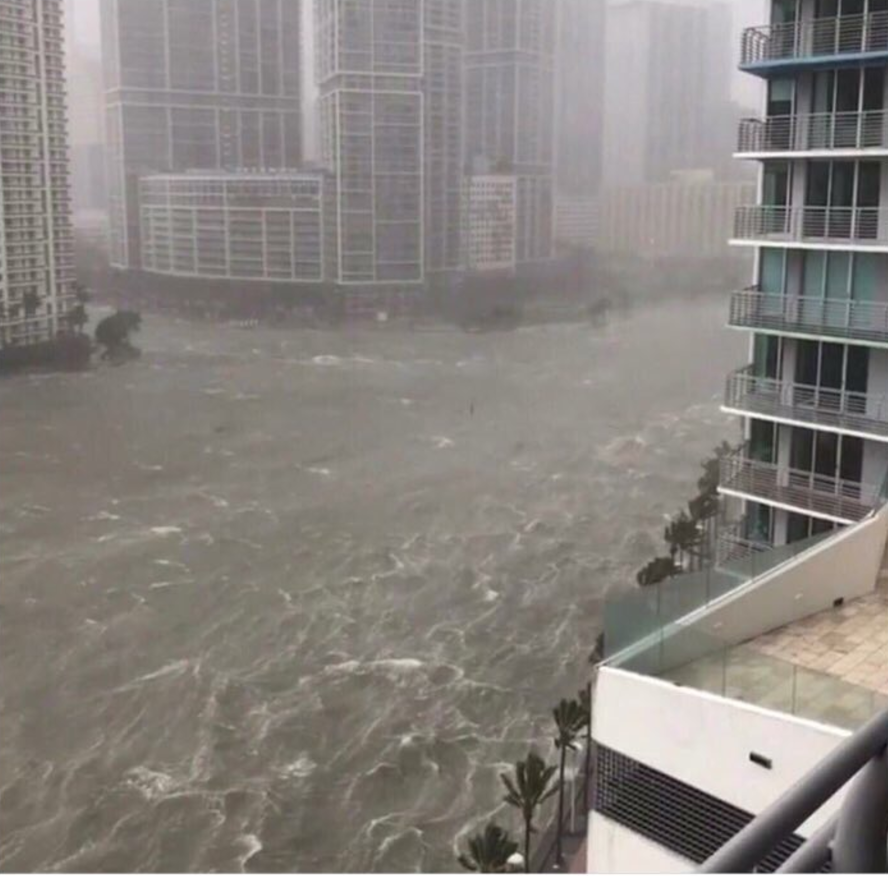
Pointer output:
x,y
834,410
807,492
814,132
814,318
845,228
834,41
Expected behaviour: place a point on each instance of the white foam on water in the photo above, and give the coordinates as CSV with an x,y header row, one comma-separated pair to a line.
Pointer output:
x,y
164,531
322,472
300,768
103,516
162,585
252,845
151,784
442,442
175,668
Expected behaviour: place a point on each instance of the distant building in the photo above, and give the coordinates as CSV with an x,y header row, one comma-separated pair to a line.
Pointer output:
x,y
210,84
490,223
667,89
579,135
269,227
510,108
576,222
36,243
370,75
670,220
443,88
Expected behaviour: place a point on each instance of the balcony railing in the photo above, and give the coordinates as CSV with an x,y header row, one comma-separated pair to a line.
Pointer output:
x,y
854,226
820,37
808,492
814,131
818,317
831,408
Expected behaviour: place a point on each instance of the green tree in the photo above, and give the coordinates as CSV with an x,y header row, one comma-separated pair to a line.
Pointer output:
x,y
489,852
570,718
527,790
656,571
683,537
113,333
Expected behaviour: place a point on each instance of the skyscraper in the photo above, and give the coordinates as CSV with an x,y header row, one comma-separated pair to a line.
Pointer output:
x,y
196,84
667,86
369,57
510,92
36,247
443,133
579,136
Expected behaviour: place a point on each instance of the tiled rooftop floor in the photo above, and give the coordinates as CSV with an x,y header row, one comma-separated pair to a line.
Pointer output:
x,y
850,643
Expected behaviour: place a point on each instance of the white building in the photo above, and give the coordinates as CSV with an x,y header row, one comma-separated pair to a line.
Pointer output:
x,y
576,222
269,227
722,690
490,223
36,244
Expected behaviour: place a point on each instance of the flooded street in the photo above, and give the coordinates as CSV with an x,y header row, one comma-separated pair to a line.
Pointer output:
x,y
290,600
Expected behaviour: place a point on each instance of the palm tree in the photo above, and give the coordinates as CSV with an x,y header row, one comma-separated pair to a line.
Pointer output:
x,y
585,700
570,718
656,571
683,536
78,318
489,852
527,791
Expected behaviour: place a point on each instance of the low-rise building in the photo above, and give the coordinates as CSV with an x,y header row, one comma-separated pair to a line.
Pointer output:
x,y
490,208
679,219
250,226
576,222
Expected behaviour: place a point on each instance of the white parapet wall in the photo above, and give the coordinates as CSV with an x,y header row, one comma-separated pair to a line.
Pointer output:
x,y
704,741
846,567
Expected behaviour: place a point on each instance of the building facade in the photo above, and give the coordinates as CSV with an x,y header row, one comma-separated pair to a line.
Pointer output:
x,y
668,114
670,220
510,108
576,222
237,226
579,136
443,135
491,224
195,84
369,57
815,397
36,242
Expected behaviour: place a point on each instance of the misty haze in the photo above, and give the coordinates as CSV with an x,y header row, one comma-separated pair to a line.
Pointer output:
x,y
432,431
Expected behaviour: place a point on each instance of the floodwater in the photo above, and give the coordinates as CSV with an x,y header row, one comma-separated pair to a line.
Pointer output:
x,y
291,600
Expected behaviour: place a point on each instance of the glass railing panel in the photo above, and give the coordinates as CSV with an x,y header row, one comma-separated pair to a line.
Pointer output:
x,y
832,700
753,677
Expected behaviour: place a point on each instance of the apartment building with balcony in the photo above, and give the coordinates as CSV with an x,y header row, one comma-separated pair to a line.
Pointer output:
x,y
195,84
490,223
814,400
729,700
36,243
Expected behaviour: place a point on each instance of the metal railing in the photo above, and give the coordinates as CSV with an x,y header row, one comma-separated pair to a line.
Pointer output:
x,y
817,405
843,500
853,841
834,35
819,317
862,226
814,131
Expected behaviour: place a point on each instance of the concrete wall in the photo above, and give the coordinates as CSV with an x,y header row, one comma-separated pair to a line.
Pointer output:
x,y
704,741
845,566
613,848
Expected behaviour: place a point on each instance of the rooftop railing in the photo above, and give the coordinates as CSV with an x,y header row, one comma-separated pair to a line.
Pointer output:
x,y
858,226
820,406
813,132
806,491
820,37
819,317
